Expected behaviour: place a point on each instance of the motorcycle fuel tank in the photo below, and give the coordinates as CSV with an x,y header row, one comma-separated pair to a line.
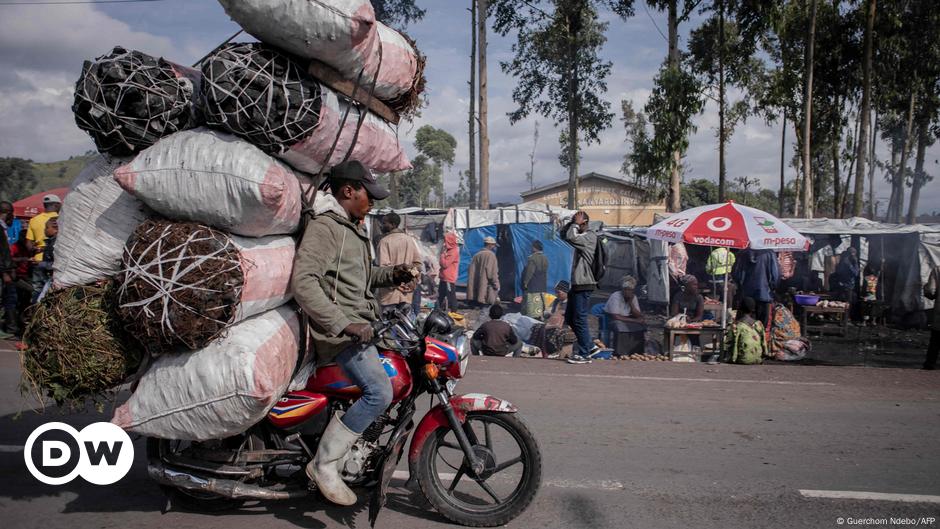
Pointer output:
x,y
330,379
297,407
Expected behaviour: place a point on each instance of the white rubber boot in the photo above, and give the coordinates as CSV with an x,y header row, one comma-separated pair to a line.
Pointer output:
x,y
336,441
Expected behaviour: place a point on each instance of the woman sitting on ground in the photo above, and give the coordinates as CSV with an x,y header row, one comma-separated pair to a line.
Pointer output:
x,y
744,339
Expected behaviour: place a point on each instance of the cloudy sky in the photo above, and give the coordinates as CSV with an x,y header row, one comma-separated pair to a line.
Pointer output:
x,y
42,48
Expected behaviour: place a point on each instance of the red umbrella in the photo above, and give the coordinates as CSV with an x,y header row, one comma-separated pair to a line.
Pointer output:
x,y
31,206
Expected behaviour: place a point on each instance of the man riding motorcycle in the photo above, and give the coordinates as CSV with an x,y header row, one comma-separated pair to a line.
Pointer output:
x,y
333,281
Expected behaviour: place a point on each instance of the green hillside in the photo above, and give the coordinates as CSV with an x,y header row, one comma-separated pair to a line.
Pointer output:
x,y
51,175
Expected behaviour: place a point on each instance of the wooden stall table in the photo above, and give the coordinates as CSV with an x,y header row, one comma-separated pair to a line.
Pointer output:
x,y
841,312
669,336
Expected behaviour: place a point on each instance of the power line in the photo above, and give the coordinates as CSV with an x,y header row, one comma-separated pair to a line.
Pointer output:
x,y
66,2
654,22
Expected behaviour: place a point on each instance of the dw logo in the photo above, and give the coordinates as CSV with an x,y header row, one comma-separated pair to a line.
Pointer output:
x,y
56,453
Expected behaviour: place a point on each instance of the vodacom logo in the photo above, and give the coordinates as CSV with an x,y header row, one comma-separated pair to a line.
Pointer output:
x,y
719,224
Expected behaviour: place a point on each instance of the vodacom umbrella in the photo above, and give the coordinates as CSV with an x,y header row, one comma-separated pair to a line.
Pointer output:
x,y
729,225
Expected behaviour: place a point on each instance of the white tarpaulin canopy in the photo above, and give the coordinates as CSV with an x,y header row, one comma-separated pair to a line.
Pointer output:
x,y
464,218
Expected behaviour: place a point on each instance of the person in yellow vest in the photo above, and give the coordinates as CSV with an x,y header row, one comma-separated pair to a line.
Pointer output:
x,y
36,238
718,265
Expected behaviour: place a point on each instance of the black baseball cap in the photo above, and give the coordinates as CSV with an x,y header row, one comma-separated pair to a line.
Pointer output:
x,y
354,171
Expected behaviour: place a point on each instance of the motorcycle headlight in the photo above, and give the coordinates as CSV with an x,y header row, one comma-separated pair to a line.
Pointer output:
x,y
463,353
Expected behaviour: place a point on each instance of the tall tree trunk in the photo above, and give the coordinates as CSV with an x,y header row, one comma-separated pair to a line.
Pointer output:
x,y
918,172
808,185
721,101
798,181
675,183
895,152
783,182
871,171
901,173
866,107
848,177
484,107
573,88
472,118
836,181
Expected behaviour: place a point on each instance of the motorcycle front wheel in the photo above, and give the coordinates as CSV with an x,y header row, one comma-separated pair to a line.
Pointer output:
x,y
502,491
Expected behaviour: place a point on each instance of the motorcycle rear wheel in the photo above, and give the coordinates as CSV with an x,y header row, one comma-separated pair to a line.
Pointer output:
x,y
188,500
463,507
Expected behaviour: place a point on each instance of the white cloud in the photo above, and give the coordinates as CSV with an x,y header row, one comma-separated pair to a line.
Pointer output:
x,y
41,56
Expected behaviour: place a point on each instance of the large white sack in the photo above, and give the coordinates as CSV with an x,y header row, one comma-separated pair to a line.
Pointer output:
x,y
268,264
376,146
216,179
218,391
341,33
96,220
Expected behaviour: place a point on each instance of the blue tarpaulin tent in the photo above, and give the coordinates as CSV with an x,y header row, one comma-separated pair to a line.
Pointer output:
x,y
519,238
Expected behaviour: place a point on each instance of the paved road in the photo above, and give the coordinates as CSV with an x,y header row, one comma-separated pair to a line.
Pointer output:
x,y
626,444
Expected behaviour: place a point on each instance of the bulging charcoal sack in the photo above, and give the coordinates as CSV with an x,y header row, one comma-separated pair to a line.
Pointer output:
x,y
266,97
96,220
127,100
260,94
214,178
183,284
343,34
220,390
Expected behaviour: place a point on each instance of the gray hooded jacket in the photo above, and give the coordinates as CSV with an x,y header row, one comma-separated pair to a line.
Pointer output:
x,y
333,278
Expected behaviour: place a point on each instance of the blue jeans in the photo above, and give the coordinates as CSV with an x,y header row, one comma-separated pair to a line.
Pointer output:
x,y
577,317
362,365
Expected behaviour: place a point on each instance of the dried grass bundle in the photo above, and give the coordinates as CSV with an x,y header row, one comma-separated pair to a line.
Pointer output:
x,y
76,349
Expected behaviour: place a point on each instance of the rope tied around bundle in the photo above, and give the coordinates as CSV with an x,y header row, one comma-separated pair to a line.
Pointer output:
x,y
260,94
181,284
128,100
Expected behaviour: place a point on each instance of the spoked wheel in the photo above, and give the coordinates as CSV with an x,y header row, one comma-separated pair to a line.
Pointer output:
x,y
510,479
189,500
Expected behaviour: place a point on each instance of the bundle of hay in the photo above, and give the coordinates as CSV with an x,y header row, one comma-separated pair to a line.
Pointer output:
x,y
260,94
76,349
183,284
127,100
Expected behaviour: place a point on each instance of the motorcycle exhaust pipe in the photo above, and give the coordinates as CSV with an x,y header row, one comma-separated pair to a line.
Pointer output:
x,y
222,487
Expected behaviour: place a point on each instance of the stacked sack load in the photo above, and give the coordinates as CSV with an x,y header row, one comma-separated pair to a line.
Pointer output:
x,y
176,247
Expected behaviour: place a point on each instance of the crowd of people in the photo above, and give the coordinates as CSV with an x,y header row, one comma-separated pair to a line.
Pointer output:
x,y
26,258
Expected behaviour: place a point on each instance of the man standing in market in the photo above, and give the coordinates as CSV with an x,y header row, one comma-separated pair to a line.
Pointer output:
x,y
483,276
333,281
535,283
397,248
36,238
583,283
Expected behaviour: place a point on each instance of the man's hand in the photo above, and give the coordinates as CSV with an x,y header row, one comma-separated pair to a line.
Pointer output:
x,y
360,332
7,278
402,274
580,218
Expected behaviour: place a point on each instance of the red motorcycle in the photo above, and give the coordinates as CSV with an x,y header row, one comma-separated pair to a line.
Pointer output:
x,y
474,459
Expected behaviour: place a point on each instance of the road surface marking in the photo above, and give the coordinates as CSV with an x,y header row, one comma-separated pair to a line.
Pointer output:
x,y
10,448
875,496
659,379
605,484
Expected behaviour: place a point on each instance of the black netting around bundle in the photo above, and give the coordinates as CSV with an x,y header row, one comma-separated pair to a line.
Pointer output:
x,y
127,100
260,94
